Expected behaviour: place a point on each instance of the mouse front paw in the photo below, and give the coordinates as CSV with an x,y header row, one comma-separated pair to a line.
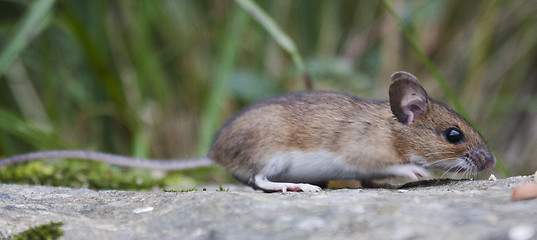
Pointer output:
x,y
409,170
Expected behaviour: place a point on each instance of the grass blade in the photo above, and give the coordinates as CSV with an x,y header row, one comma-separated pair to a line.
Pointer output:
x,y
220,87
268,23
450,95
33,23
29,133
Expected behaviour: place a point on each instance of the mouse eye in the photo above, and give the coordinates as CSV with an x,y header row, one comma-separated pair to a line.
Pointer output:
x,y
453,135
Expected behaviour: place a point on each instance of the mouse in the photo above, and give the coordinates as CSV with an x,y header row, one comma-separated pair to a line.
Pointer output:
x,y
300,141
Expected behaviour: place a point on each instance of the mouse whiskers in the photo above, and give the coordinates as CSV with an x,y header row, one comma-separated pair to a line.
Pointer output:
x,y
435,153
470,174
439,162
447,171
455,169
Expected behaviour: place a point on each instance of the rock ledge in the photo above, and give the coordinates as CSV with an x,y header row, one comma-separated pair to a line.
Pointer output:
x,y
458,210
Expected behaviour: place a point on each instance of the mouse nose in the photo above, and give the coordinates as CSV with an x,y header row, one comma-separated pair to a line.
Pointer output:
x,y
482,158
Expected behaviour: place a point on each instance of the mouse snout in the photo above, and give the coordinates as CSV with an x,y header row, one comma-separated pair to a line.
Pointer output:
x,y
481,158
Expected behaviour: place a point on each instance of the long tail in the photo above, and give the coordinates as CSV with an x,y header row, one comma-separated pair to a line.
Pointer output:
x,y
171,164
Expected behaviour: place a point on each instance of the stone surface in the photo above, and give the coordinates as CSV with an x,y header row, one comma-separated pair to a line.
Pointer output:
x,y
456,210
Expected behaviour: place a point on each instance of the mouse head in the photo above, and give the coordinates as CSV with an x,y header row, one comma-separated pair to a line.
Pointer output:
x,y
429,133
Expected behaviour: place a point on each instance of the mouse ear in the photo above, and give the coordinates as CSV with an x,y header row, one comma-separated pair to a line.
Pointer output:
x,y
408,99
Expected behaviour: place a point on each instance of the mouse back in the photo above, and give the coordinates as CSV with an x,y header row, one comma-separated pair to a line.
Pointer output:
x,y
316,123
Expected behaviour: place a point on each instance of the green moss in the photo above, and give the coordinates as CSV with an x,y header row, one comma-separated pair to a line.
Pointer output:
x,y
96,175
182,190
221,189
45,231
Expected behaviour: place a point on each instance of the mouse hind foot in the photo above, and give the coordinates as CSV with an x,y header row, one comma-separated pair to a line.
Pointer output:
x,y
261,182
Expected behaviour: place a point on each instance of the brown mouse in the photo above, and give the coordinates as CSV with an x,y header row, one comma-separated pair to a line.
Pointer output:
x,y
298,141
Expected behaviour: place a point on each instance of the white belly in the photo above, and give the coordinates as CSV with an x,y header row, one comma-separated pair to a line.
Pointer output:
x,y
310,166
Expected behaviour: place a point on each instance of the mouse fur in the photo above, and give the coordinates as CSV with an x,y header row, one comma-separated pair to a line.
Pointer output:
x,y
314,137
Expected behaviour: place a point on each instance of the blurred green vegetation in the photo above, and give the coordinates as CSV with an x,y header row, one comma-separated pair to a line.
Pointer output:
x,y
157,78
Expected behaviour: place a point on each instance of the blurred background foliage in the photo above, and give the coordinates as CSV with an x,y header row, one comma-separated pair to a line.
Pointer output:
x,y
157,78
